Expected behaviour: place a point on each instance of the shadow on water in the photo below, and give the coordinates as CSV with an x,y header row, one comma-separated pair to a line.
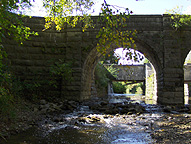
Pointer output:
x,y
94,128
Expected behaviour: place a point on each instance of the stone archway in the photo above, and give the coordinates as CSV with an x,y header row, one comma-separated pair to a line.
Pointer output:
x,y
164,47
93,58
187,78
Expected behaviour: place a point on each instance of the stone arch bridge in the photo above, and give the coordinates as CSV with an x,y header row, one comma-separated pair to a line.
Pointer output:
x,y
163,46
128,73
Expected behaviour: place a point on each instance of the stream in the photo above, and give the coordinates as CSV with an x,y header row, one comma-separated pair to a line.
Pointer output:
x,y
84,126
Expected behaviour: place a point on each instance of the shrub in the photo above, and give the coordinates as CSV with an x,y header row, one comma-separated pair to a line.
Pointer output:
x,y
119,87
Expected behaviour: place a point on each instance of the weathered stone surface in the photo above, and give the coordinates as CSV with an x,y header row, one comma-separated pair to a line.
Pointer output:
x,y
165,48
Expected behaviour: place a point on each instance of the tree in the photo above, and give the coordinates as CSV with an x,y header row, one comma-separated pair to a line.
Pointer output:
x,y
10,26
71,12
178,19
110,58
112,19
61,12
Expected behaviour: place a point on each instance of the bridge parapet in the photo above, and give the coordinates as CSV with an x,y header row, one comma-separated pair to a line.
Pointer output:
x,y
130,72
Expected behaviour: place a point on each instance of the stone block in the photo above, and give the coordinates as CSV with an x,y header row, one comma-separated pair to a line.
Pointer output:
x,y
179,94
35,69
178,100
20,50
37,56
169,84
73,88
21,62
9,48
54,93
171,79
74,34
24,56
58,37
171,75
173,71
168,95
12,56
18,68
77,74
179,89
38,62
165,101
36,27
76,83
74,39
39,44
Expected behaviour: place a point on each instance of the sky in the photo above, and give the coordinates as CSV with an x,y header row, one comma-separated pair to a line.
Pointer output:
x,y
138,7
124,59
151,6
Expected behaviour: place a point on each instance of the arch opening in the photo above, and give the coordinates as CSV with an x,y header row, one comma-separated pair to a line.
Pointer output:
x,y
187,79
136,78
93,58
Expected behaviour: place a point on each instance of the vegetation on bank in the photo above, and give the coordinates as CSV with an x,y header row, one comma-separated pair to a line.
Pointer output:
x,y
136,88
125,88
102,78
119,87
105,75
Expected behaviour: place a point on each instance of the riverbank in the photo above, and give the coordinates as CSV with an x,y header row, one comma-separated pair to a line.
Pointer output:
x,y
172,129
28,114
160,124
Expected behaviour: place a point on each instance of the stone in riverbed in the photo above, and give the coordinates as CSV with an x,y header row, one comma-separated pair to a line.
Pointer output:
x,y
57,119
85,120
91,119
35,109
103,103
43,102
167,109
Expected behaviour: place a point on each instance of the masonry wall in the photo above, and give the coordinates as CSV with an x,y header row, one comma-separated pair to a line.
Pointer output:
x,y
31,61
164,47
130,73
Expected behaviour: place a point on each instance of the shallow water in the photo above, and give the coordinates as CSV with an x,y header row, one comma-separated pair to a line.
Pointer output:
x,y
118,129
114,131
